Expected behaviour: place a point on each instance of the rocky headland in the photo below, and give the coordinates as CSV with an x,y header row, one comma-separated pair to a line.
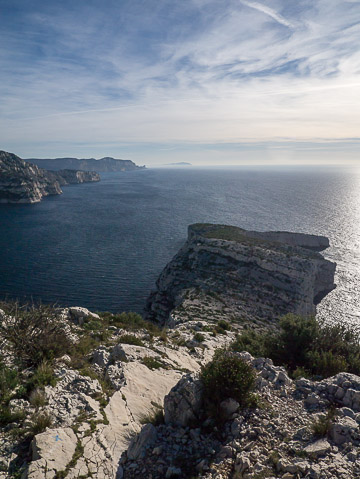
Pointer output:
x,y
23,182
106,164
225,272
125,398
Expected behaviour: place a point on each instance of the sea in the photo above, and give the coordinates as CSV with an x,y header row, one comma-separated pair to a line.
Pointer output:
x,y
103,245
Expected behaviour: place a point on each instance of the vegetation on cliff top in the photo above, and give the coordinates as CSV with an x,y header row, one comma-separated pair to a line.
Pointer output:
x,y
305,346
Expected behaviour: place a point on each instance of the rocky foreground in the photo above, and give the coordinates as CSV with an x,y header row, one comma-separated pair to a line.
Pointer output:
x,y
23,182
131,404
104,419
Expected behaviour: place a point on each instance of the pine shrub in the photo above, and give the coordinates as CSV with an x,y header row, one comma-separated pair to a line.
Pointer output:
x,y
228,376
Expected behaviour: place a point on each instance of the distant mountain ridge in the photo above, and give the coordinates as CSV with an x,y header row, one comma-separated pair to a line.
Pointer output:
x,y
23,182
106,164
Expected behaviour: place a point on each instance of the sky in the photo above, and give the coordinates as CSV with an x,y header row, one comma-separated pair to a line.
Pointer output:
x,y
211,82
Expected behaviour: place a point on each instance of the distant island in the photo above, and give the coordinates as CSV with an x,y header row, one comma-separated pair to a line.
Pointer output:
x,y
106,164
180,163
24,182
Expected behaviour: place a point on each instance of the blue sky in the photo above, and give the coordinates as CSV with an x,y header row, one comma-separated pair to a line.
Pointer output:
x,y
210,82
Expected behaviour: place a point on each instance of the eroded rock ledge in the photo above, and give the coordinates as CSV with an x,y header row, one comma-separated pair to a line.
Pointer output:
x,y
225,272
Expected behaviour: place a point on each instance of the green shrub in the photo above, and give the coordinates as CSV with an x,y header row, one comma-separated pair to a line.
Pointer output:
x,y
93,325
152,363
326,363
292,344
321,426
255,342
7,415
300,372
222,324
39,422
228,376
179,341
199,338
130,322
35,333
9,380
130,339
81,349
43,376
305,347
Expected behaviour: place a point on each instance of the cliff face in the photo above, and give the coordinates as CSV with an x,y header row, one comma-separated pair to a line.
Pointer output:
x,y
226,272
106,164
73,177
23,182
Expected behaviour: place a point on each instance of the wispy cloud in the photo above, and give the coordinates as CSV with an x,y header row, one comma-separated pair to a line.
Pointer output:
x,y
268,11
193,72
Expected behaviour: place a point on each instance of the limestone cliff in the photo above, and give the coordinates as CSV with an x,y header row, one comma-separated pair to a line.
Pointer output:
x,y
106,164
23,182
74,177
226,272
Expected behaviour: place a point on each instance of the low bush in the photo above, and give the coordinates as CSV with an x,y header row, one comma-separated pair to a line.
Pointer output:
x,y
9,380
152,363
93,325
222,326
255,342
305,346
39,421
130,322
7,415
130,339
34,333
83,347
43,376
199,338
228,376
321,426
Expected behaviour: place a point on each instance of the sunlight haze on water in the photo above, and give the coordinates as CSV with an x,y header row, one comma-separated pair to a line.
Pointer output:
x,y
103,245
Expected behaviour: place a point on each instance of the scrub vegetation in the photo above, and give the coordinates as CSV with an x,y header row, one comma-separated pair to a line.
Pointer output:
x,y
305,346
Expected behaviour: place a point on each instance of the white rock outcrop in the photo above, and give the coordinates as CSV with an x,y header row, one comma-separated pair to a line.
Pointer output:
x,y
224,271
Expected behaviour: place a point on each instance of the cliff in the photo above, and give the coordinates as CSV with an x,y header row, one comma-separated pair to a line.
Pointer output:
x,y
74,177
252,277
121,398
106,164
23,182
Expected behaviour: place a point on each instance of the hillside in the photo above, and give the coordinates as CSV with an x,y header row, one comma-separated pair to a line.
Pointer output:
x,y
115,396
106,164
23,182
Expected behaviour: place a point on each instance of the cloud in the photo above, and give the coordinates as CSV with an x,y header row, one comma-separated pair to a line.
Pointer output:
x,y
268,11
194,72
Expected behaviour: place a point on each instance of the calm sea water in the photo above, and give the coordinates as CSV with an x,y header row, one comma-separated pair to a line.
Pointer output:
x,y
102,245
